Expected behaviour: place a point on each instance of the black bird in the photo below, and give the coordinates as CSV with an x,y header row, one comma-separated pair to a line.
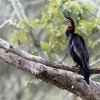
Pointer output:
x,y
77,49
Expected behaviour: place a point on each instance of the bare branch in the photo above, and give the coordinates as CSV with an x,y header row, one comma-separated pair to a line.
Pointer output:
x,y
9,21
10,48
98,13
19,10
95,62
49,72
34,2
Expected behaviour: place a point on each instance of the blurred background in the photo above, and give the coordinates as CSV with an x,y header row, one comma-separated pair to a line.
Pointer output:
x,y
34,26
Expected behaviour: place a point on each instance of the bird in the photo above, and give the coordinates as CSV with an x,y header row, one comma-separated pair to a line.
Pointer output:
x,y
77,48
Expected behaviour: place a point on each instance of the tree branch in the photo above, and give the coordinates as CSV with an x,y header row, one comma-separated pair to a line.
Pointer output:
x,y
10,48
19,10
49,72
9,21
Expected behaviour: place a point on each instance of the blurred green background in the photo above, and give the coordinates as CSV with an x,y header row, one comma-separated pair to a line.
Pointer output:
x,y
33,26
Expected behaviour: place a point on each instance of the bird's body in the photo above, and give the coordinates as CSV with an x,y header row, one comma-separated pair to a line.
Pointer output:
x,y
77,49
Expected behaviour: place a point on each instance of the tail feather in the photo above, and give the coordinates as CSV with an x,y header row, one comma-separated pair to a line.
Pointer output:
x,y
86,75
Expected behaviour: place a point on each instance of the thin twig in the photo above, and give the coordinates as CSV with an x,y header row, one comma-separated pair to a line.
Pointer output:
x,y
95,62
19,10
9,21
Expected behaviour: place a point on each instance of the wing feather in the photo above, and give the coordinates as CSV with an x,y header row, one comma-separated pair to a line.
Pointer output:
x,y
80,49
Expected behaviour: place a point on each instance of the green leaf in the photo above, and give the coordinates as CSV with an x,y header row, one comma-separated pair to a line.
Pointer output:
x,y
44,45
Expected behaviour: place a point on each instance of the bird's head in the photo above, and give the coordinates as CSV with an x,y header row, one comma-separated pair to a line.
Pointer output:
x,y
68,19
71,25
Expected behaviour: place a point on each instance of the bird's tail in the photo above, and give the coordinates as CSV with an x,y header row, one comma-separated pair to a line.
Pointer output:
x,y
86,74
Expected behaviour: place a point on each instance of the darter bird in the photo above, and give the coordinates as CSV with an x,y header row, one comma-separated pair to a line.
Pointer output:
x,y
77,49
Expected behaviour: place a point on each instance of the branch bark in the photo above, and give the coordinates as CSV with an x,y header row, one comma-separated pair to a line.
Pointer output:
x,y
50,72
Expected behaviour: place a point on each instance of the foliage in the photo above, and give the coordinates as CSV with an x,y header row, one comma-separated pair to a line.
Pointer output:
x,y
54,27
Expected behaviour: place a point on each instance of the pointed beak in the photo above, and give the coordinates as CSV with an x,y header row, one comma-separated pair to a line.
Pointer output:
x,y
63,17
67,19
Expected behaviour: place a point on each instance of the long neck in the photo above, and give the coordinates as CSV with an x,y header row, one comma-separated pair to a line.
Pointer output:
x,y
73,27
71,30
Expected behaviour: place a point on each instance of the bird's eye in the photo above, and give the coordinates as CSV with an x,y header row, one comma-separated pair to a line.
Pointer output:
x,y
68,20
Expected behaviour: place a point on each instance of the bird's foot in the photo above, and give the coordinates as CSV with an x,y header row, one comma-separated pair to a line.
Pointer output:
x,y
79,79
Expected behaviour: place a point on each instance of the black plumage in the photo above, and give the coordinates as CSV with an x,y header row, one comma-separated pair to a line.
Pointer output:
x,y
77,49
